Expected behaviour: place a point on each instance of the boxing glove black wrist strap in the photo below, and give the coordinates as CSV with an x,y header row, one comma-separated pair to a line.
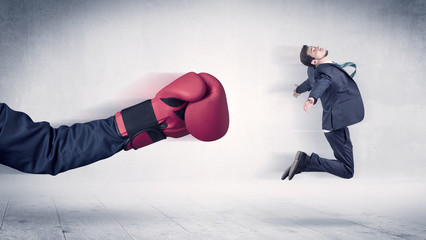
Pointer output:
x,y
137,120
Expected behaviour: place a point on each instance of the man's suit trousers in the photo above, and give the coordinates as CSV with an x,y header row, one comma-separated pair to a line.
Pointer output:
x,y
343,165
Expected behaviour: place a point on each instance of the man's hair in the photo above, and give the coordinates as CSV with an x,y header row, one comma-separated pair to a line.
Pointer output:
x,y
305,58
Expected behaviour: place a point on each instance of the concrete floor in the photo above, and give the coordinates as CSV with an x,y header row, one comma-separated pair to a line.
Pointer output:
x,y
308,207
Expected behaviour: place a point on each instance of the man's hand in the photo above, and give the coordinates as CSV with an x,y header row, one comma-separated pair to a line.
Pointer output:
x,y
295,94
308,104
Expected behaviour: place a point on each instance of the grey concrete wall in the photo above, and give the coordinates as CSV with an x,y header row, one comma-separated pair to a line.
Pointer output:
x,y
71,61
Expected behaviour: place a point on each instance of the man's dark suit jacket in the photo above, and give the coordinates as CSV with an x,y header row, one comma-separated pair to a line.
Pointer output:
x,y
340,97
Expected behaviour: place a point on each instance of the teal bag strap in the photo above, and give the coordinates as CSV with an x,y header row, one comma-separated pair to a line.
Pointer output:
x,y
348,64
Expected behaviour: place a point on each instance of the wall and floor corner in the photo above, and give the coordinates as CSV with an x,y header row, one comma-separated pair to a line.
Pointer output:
x,y
75,61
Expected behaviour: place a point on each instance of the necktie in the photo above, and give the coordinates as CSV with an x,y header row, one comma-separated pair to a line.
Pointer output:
x,y
348,64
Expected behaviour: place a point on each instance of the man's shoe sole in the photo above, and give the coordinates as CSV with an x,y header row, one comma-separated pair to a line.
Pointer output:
x,y
285,174
294,165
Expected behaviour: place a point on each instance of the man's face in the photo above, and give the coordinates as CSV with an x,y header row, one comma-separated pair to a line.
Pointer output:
x,y
317,52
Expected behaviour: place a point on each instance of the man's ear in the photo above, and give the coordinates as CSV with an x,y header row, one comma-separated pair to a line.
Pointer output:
x,y
314,62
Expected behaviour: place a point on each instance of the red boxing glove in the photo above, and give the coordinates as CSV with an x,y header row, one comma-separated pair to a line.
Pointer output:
x,y
208,119
165,115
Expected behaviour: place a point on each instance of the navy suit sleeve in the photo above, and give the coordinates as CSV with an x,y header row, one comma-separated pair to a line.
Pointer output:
x,y
321,84
304,87
36,147
307,84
